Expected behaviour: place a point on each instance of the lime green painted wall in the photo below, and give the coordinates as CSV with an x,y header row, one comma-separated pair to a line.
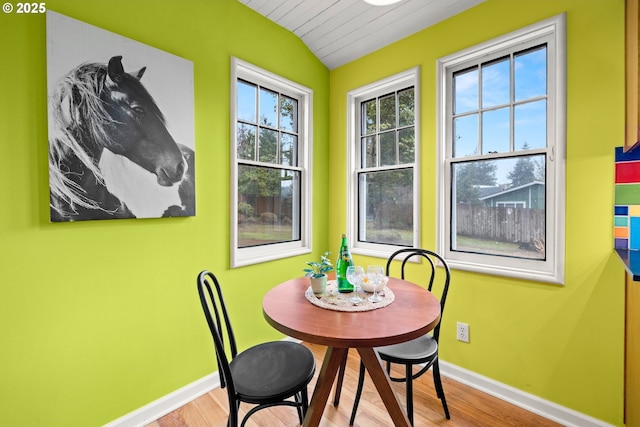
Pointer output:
x,y
101,317
564,344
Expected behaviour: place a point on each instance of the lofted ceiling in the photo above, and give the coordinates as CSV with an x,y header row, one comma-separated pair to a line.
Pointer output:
x,y
339,31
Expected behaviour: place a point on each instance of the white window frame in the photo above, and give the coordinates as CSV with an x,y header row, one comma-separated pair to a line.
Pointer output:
x,y
551,269
257,254
396,82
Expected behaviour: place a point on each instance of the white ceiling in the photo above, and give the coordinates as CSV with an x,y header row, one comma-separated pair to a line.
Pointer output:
x,y
339,31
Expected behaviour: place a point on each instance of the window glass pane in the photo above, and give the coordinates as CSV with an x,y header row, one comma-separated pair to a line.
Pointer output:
x,y
268,108
384,196
500,186
288,114
246,141
246,101
495,83
406,111
530,73
368,152
269,181
406,146
530,125
268,146
388,148
268,205
500,207
465,136
388,112
368,117
465,87
386,207
288,149
495,131
524,170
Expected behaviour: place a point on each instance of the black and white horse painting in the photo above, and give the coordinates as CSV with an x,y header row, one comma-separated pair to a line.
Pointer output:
x,y
111,154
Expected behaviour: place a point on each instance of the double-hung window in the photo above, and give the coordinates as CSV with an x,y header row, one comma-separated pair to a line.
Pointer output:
x,y
383,206
270,186
502,155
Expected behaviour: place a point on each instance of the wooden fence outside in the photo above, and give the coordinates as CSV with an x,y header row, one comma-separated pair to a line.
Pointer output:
x,y
501,224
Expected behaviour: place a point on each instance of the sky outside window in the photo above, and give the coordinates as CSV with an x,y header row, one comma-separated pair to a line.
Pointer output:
x,y
500,107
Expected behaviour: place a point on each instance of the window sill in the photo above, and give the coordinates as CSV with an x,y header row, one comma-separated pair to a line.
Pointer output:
x,y
554,278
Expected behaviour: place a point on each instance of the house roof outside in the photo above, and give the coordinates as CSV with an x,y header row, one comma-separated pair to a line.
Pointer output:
x,y
492,192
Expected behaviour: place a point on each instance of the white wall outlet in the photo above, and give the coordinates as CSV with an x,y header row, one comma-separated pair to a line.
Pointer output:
x,y
463,332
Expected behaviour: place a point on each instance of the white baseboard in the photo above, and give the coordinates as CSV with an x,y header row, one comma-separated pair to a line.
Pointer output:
x,y
544,408
172,401
547,409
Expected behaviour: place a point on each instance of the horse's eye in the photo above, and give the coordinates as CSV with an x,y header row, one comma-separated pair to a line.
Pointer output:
x,y
137,109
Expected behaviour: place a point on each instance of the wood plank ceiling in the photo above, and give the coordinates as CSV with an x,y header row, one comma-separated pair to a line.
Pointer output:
x,y
339,31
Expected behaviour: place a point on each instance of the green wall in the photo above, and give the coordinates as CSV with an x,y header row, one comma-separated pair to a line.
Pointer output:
x,y
99,318
563,344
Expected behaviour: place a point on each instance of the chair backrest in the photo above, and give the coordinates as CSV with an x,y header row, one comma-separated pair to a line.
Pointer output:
x,y
430,261
215,311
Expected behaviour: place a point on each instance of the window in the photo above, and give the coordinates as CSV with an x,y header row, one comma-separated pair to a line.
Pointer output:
x,y
270,186
501,155
383,193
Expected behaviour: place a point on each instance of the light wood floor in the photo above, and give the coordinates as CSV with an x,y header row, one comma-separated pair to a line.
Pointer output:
x,y
468,407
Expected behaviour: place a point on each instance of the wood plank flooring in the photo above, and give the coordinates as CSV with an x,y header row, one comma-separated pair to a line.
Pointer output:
x,y
468,407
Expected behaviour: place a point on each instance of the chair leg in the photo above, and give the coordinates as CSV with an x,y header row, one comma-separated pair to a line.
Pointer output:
x,y
305,403
338,391
358,394
439,390
299,399
233,414
409,385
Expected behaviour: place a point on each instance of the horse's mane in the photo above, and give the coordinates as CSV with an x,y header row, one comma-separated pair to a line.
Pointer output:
x,y
75,104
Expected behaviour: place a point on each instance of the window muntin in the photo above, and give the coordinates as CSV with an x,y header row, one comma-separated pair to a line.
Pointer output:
x,y
270,158
385,210
482,101
268,186
502,181
383,191
494,119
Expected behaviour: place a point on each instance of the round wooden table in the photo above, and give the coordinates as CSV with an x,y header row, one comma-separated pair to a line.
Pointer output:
x,y
413,313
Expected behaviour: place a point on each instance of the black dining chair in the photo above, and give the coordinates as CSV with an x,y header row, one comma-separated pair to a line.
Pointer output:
x,y
267,374
423,350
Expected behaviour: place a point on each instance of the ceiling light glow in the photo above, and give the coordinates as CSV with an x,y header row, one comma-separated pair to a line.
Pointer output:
x,y
381,2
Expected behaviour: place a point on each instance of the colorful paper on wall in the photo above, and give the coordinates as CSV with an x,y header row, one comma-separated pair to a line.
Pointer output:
x,y
626,210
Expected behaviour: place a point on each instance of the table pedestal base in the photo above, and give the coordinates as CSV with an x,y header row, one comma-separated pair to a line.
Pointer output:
x,y
334,359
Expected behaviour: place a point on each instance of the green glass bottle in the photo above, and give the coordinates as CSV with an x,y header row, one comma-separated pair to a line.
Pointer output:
x,y
344,261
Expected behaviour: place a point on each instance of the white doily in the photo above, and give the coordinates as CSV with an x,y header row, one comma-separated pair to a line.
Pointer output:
x,y
331,299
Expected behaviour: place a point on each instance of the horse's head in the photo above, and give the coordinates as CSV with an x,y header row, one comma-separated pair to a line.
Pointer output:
x,y
137,128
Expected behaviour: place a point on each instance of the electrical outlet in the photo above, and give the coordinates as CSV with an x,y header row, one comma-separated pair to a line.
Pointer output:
x,y
463,332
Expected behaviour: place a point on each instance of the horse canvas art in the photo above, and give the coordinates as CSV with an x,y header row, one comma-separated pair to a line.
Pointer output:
x,y
111,154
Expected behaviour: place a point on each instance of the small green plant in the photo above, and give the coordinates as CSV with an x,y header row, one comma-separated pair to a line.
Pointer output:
x,y
319,269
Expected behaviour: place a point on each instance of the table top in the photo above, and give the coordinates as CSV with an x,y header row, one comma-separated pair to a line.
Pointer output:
x,y
413,313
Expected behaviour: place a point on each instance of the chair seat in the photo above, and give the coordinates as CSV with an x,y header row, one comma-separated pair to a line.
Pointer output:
x,y
272,371
419,350
422,350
